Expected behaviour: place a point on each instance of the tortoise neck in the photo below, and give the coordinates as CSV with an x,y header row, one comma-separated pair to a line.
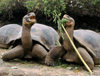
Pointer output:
x,y
67,45
26,38
70,31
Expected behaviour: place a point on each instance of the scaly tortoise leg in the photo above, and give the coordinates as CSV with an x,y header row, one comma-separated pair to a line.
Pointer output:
x,y
39,52
73,57
17,52
87,58
55,53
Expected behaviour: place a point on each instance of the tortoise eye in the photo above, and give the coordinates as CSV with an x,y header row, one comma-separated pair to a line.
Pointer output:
x,y
32,17
28,14
68,16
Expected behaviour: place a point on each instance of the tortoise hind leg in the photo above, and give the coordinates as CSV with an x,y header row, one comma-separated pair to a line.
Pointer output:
x,y
71,56
87,58
39,52
17,52
55,53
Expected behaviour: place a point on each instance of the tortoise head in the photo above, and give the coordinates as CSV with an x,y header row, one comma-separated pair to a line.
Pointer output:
x,y
70,21
29,19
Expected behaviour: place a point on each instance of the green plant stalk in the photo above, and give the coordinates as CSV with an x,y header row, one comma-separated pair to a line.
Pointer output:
x,y
90,71
58,43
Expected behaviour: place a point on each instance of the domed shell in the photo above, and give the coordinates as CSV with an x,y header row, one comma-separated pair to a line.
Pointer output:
x,y
9,33
90,40
43,34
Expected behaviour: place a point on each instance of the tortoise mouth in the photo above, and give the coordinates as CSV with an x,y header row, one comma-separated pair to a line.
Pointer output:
x,y
31,20
32,17
69,19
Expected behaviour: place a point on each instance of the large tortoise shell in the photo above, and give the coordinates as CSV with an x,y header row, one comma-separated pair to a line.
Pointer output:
x,y
43,34
89,40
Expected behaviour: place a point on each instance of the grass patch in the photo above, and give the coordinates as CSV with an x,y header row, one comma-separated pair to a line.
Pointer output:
x,y
67,65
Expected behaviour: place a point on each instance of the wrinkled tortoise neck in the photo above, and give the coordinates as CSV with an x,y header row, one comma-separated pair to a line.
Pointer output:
x,y
26,38
28,26
67,45
70,30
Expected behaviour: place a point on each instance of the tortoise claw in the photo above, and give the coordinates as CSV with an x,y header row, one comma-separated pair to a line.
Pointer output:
x,y
49,61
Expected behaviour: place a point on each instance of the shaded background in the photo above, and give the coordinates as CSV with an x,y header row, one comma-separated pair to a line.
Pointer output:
x,y
85,12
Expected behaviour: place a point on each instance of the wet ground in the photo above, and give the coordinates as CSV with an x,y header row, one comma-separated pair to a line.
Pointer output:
x,y
31,68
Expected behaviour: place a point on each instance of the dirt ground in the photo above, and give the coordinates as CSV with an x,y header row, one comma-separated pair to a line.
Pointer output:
x,y
31,68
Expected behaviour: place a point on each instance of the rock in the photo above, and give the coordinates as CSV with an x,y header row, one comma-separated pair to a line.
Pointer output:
x,y
4,72
65,75
14,67
33,74
17,72
48,74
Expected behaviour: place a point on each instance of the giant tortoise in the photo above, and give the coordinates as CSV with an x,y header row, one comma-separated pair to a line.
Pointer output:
x,y
31,40
86,41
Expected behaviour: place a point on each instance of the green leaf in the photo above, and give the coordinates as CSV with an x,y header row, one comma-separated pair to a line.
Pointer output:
x,y
64,21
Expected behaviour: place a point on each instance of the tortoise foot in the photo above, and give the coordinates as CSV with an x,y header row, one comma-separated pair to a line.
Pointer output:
x,y
49,61
14,53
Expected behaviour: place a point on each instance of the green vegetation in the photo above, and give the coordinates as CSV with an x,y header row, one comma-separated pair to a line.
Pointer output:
x,y
49,11
92,2
8,7
55,7
8,4
48,7
69,66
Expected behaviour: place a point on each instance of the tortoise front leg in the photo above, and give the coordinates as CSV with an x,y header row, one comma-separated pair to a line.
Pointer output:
x,y
87,58
39,52
55,53
17,52
71,56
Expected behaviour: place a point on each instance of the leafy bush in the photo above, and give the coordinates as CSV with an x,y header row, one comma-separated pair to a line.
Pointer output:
x,y
52,8
8,4
48,10
92,2
48,7
9,7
